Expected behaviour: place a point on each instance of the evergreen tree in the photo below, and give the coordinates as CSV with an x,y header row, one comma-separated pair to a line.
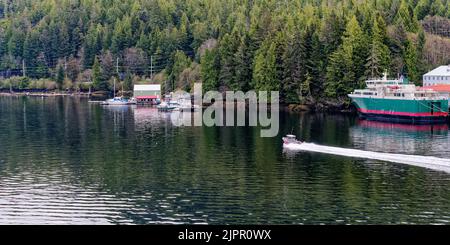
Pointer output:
x,y
316,66
411,61
421,64
34,63
242,59
405,18
319,46
209,64
145,44
378,61
181,62
122,35
91,47
438,8
264,71
227,50
63,42
97,79
346,69
294,62
60,76
16,42
422,9
340,74
128,82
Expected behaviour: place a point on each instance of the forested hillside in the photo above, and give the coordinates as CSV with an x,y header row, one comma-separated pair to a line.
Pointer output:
x,y
306,49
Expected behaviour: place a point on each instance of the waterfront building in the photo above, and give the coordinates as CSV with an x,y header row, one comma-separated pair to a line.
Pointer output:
x,y
438,80
147,93
438,76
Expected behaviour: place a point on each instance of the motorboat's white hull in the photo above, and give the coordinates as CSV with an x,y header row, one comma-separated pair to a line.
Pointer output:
x,y
118,103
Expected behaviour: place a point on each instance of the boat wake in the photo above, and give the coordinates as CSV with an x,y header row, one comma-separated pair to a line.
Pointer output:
x,y
435,163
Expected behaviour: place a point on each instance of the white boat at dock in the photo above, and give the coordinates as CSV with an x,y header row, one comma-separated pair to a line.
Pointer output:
x,y
119,101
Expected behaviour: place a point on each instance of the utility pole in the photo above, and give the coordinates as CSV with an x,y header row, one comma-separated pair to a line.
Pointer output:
x,y
117,66
114,88
23,68
151,67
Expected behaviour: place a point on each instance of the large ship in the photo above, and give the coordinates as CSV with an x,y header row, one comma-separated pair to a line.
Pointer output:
x,y
397,100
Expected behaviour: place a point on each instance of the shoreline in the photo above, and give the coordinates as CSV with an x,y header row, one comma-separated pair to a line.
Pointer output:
x,y
319,106
44,94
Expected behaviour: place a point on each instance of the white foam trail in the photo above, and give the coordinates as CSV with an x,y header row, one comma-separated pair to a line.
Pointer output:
x,y
435,163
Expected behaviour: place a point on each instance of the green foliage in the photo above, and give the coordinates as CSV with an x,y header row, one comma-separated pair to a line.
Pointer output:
x,y
60,76
210,70
243,70
379,55
304,48
128,82
264,71
24,82
181,62
98,80
410,57
405,17
227,49
346,69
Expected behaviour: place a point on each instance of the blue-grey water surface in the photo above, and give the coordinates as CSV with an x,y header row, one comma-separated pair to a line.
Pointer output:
x,y
67,161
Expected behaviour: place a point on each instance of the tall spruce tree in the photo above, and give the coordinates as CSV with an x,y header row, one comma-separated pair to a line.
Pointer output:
x,y
97,79
242,61
264,71
379,56
209,64
294,62
346,69
227,50
411,62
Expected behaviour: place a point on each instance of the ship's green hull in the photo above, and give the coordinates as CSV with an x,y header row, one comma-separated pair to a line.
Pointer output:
x,y
404,110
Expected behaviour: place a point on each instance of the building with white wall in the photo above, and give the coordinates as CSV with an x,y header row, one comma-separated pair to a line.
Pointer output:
x,y
440,75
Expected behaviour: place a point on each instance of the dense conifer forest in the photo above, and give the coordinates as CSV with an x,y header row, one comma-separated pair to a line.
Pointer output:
x,y
307,49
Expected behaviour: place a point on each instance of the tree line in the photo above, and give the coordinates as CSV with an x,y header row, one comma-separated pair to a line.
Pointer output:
x,y
306,49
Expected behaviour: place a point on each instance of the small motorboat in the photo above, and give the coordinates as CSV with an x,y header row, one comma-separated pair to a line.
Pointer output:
x,y
119,101
291,139
168,106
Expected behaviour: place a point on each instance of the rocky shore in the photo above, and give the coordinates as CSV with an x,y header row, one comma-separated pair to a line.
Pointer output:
x,y
329,105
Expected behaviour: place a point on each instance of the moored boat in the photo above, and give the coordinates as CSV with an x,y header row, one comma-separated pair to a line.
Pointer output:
x,y
119,101
397,100
168,106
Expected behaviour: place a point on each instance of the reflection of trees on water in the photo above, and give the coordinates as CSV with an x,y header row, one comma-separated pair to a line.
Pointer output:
x,y
317,127
401,138
148,171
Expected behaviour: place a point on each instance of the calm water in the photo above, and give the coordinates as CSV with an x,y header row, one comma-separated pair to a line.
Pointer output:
x,y
65,161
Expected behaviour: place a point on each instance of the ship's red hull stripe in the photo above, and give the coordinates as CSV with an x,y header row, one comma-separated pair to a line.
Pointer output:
x,y
410,114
